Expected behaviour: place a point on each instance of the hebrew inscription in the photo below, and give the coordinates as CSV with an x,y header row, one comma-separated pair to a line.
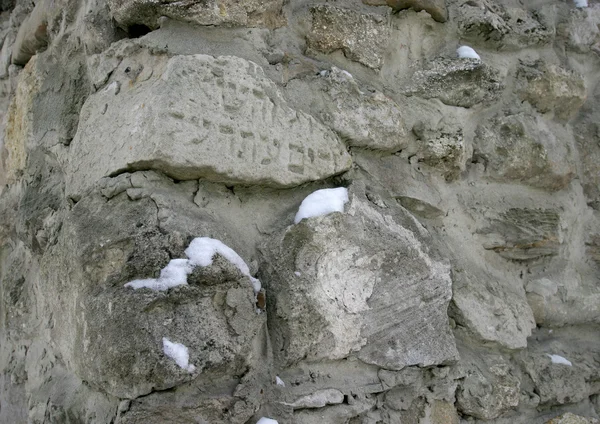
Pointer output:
x,y
202,117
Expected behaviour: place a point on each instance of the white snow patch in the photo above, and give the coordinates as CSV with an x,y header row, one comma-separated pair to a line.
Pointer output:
x,y
265,420
200,253
297,273
179,353
322,202
557,359
279,381
581,3
466,52
202,250
174,274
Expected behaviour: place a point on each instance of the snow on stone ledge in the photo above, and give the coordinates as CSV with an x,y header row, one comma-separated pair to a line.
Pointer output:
x,y
466,52
557,359
322,202
265,420
581,3
200,253
179,353
202,250
174,274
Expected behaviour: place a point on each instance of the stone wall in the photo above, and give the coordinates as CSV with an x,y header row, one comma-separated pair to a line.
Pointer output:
x,y
461,282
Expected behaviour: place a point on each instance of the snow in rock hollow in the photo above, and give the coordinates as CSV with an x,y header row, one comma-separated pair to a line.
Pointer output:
x,y
279,381
322,202
557,359
202,250
466,52
581,3
179,353
265,420
200,253
174,274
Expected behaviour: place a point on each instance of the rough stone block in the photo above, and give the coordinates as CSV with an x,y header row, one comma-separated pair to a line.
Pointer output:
x,y
361,37
335,291
200,117
550,88
456,82
525,148
436,8
252,13
523,234
505,26
491,309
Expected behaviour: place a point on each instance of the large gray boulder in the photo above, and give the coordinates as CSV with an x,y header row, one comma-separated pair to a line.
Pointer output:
x,y
199,117
333,291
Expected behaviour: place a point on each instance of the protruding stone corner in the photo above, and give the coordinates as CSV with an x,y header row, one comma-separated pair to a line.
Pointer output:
x,y
436,8
334,272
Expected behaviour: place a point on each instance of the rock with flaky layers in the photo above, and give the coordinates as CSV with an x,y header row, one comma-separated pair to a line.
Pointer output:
x,y
200,117
436,8
334,290
522,234
253,13
525,148
361,37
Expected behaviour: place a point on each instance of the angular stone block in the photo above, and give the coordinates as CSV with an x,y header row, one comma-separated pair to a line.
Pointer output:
x,y
525,148
200,117
456,82
550,88
364,283
436,8
361,37
252,13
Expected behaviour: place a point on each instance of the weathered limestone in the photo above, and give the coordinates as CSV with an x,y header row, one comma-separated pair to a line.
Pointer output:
x,y
225,121
491,309
327,291
436,8
490,387
523,234
19,124
569,418
506,26
443,148
551,88
114,334
360,116
527,149
230,12
456,82
361,37
460,284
